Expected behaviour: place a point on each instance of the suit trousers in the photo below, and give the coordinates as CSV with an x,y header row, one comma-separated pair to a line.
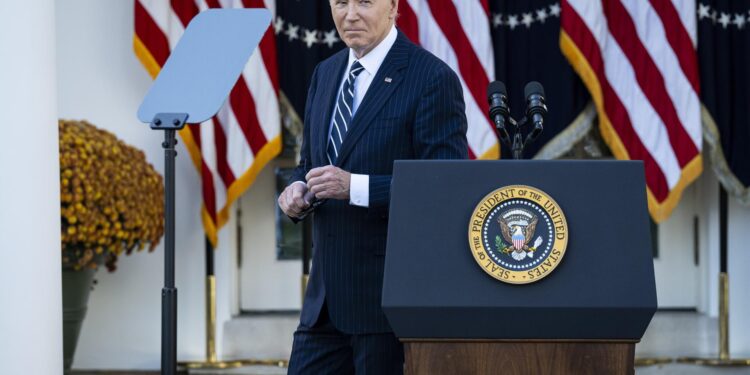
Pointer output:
x,y
323,349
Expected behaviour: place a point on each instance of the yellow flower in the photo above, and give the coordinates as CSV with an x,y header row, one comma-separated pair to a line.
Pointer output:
x,y
111,198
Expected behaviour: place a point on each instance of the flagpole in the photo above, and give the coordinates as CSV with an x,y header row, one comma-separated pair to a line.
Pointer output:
x,y
306,252
724,358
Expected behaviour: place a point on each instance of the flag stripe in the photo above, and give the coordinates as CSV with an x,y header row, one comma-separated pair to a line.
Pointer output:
x,y
486,7
651,31
631,55
185,10
191,138
263,94
638,112
437,42
207,184
613,108
222,165
210,162
267,48
649,78
209,194
210,157
150,34
158,11
407,21
476,25
444,29
679,39
242,155
244,110
201,5
471,69
686,10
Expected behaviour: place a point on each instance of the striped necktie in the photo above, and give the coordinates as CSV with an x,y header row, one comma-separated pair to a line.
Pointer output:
x,y
343,113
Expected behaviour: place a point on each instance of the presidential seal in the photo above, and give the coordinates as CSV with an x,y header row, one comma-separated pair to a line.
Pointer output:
x,y
518,234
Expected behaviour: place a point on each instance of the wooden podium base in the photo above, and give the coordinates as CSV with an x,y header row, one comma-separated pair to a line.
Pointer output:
x,y
518,357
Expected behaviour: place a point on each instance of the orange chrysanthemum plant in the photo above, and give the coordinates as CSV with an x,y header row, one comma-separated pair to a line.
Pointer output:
x,y
111,197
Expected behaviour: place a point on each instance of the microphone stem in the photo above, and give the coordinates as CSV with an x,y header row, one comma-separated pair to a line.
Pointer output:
x,y
517,148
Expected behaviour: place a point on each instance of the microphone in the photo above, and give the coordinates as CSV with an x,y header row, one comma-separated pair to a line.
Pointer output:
x,y
535,108
497,96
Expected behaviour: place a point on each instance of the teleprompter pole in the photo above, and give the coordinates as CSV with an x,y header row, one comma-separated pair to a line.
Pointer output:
x,y
194,82
169,292
169,123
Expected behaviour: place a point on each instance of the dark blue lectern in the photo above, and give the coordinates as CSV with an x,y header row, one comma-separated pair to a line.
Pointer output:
x,y
584,317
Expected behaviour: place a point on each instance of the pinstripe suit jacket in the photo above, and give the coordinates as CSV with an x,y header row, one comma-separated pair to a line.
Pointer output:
x,y
419,114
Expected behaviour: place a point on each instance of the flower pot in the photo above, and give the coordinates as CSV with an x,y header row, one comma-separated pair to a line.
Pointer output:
x,y
76,288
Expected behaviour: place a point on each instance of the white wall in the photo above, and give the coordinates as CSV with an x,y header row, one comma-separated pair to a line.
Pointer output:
x,y
676,274
739,279
100,79
31,295
738,260
265,282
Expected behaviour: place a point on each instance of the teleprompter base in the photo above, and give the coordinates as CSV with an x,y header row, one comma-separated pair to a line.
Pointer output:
x,y
716,361
653,361
233,363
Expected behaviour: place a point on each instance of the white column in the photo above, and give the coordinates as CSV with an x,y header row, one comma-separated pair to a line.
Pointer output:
x,y
708,215
30,285
738,243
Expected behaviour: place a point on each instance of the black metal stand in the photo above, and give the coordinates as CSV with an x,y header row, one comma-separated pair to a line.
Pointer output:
x,y
170,123
306,252
518,143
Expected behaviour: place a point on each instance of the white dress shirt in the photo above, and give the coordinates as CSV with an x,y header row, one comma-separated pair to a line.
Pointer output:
x,y
359,186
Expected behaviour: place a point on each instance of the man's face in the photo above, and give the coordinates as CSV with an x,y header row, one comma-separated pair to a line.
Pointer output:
x,y
362,24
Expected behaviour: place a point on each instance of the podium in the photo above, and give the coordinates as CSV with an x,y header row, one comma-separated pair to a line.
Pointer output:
x,y
582,317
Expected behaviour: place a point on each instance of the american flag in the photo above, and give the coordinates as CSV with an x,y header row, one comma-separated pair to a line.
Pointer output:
x,y
458,32
638,60
232,148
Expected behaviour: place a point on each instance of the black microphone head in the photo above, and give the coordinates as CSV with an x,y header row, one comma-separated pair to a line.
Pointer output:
x,y
532,88
496,87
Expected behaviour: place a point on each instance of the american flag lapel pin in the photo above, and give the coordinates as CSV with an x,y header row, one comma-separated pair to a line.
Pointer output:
x,y
388,79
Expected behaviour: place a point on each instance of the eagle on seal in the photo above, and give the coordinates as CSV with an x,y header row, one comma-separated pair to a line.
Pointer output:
x,y
519,236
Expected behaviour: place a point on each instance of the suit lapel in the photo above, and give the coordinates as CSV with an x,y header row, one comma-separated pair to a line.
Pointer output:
x,y
386,81
329,93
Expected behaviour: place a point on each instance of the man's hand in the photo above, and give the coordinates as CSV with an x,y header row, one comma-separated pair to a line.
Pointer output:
x,y
329,182
292,200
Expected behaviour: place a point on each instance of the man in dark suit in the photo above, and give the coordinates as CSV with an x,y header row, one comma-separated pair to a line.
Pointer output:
x,y
380,100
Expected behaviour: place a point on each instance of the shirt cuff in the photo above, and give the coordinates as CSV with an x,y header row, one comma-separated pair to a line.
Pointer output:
x,y
359,190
